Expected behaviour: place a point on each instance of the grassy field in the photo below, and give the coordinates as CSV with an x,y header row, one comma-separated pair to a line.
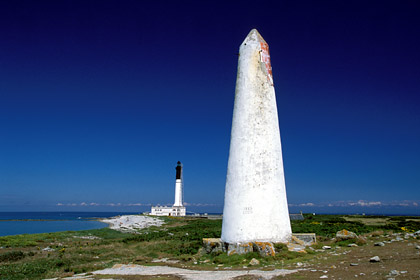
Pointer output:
x,y
38,256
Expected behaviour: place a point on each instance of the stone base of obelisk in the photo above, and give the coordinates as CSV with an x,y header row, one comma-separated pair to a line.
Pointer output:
x,y
298,243
215,245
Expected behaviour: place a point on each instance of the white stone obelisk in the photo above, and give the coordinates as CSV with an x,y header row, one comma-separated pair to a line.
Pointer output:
x,y
255,206
179,195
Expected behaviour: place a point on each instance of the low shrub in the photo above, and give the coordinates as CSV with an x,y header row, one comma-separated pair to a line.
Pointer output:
x,y
12,256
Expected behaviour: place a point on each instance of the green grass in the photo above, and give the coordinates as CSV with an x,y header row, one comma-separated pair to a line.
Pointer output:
x,y
23,257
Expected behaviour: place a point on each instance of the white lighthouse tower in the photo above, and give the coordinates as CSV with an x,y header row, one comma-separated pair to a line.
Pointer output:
x,y
179,188
255,206
178,208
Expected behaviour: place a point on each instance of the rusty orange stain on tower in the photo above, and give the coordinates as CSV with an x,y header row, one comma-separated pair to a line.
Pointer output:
x,y
265,57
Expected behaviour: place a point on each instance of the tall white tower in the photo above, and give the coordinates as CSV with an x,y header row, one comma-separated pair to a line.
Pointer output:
x,y
255,206
179,187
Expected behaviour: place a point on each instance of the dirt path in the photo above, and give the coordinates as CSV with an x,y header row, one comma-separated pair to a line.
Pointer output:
x,y
189,274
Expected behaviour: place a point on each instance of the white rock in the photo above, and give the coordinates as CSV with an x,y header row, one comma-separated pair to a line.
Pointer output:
x,y
254,261
375,259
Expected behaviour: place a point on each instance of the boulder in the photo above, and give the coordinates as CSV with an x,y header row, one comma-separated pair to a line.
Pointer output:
x,y
345,234
265,249
213,245
239,248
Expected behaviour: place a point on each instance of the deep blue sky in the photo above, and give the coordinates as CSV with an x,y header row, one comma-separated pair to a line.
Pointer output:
x,y
100,99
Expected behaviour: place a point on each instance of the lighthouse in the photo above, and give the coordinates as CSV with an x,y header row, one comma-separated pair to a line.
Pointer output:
x,y
179,195
255,207
178,208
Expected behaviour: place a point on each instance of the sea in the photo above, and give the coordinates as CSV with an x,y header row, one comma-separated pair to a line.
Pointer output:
x,y
14,223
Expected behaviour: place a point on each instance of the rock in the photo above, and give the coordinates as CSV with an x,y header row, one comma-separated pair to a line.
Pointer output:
x,y
323,277
326,247
354,264
345,234
352,245
305,239
375,259
399,239
361,240
418,247
48,249
239,248
394,272
265,249
295,247
379,244
213,245
254,261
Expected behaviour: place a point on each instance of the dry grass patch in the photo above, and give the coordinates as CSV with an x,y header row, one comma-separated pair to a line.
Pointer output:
x,y
369,221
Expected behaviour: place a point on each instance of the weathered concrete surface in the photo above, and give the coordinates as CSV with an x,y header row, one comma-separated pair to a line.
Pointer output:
x,y
306,239
255,206
188,274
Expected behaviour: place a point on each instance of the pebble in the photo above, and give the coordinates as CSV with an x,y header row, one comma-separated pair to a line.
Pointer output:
x,y
254,261
354,264
375,259
48,249
323,276
352,245
326,247
394,272
379,244
418,247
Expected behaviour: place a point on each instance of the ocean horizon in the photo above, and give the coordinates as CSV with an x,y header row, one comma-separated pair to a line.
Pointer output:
x,y
15,223
27,222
